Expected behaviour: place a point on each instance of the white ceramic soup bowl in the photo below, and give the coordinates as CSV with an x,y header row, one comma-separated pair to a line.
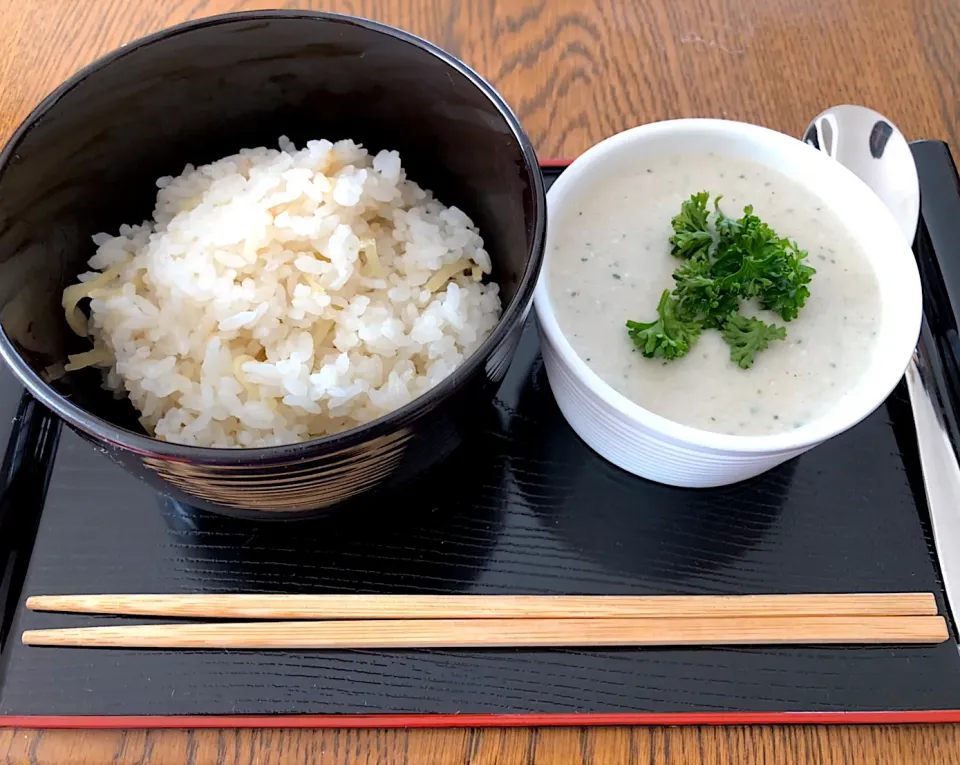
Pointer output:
x,y
659,449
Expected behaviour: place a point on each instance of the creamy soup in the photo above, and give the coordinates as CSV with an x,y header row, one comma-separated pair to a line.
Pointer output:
x,y
611,262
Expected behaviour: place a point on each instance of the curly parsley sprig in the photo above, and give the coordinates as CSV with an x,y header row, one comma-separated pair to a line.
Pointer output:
x,y
669,336
739,259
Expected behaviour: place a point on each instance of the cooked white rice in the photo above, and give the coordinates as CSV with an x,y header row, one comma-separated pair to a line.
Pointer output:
x,y
283,295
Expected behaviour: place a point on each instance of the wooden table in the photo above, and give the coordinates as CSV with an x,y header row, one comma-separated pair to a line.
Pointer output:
x,y
575,71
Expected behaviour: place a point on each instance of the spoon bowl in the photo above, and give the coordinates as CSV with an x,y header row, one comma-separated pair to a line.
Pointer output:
x,y
869,145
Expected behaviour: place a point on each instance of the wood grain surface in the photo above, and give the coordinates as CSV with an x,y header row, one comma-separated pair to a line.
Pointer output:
x,y
798,745
576,71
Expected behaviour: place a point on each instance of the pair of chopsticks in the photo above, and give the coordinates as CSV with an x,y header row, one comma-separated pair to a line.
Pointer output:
x,y
497,621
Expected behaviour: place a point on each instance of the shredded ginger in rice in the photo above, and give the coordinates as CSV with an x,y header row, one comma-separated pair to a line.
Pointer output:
x,y
283,295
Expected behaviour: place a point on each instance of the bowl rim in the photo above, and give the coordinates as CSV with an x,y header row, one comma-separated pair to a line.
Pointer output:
x,y
390,423
820,428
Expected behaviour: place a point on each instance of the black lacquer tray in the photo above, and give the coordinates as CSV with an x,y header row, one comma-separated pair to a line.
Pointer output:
x,y
525,507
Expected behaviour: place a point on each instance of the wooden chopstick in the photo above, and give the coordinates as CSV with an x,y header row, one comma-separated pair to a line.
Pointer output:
x,y
501,633
280,606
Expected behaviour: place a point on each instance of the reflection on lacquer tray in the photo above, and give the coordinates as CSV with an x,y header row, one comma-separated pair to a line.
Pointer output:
x,y
656,534
436,536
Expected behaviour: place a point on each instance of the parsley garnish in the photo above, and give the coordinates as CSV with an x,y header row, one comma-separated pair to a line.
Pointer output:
x,y
746,336
740,259
669,337
690,236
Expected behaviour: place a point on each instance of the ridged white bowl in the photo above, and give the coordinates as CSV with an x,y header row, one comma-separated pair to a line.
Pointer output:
x,y
654,447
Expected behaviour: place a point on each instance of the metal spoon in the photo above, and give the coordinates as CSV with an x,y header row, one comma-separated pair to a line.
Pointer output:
x,y
869,145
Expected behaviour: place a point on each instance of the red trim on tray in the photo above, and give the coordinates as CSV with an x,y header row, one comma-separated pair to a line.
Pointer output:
x,y
882,717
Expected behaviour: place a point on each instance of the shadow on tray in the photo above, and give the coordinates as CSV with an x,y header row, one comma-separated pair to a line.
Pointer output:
x,y
433,537
630,526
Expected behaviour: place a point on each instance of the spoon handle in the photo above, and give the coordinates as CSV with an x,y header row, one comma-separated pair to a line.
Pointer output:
x,y
933,381
938,462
